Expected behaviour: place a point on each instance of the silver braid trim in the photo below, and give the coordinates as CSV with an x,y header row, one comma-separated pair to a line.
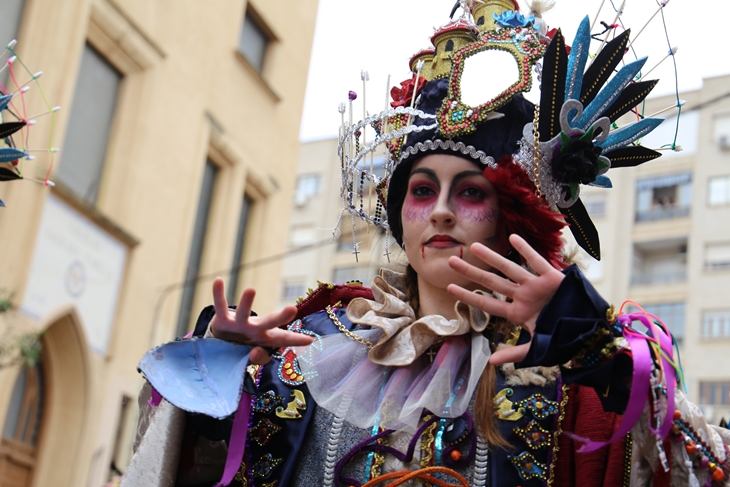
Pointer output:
x,y
333,443
438,144
480,477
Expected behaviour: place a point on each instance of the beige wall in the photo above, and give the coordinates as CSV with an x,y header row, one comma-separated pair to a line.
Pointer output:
x,y
186,95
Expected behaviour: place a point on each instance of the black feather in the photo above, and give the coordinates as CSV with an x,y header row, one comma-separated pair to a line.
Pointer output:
x,y
583,230
632,95
602,67
554,71
631,156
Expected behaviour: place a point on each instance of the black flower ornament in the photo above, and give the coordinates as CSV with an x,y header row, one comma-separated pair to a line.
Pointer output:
x,y
579,160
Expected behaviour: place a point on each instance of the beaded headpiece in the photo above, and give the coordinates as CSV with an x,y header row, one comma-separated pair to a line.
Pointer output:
x,y
569,139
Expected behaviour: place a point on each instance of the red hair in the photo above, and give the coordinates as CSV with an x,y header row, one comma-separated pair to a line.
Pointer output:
x,y
522,212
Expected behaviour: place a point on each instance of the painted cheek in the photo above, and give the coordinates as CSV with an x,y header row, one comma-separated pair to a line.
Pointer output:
x,y
477,213
417,210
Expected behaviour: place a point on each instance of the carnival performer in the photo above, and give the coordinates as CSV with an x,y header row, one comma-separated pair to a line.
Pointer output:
x,y
490,360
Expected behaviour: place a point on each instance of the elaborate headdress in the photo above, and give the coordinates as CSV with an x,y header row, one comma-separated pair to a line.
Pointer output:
x,y
449,106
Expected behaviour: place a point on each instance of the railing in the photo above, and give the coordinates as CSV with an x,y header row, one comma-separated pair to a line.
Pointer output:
x,y
662,213
659,278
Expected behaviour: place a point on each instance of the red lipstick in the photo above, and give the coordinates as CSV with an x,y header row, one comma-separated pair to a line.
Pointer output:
x,y
442,242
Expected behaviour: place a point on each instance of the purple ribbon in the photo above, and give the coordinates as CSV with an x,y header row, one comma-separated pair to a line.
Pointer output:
x,y
155,400
237,443
641,383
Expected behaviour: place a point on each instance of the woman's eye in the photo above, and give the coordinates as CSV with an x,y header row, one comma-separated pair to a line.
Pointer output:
x,y
422,191
473,192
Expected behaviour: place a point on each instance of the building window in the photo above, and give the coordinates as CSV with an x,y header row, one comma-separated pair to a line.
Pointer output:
x,y
232,294
89,126
364,274
196,247
595,205
717,256
716,324
254,40
719,191
715,393
663,197
292,291
722,132
661,262
307,186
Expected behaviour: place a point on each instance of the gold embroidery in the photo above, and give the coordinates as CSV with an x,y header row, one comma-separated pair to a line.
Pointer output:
x,y
556,434
504,409
291,411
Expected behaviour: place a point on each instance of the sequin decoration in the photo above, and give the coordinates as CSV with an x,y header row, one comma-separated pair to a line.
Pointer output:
x,y
528,467
271,484
505,409
540,407
265,465
267,402
292,409
534,435
262,432
289,371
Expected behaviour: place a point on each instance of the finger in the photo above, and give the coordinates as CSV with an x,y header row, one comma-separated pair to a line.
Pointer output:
x,y
245,304
487,303
536,261
510,355
515,272
275,319
282,338
486,279
259,356
219,298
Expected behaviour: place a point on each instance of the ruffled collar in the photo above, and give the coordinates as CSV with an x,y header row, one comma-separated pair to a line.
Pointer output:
x,y
404,337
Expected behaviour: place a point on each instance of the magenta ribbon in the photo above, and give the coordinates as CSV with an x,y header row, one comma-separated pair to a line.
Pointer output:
x,y
641,383
237,443
155,400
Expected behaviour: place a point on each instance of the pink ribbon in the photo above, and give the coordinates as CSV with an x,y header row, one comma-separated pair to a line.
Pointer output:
x,y
641,383
237,443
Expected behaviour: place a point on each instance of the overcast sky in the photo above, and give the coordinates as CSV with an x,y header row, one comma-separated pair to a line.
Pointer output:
x,y
381,35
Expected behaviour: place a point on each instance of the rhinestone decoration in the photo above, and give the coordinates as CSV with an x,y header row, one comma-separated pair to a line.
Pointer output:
x,y
267,402
534,435
540,407
505,409
292,409
265,465
528,467
262,432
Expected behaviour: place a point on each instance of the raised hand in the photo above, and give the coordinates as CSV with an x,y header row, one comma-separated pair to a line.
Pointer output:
x,y
529,292
262,331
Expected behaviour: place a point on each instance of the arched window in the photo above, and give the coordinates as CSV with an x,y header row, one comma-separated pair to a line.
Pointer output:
x,y
449,45
22,425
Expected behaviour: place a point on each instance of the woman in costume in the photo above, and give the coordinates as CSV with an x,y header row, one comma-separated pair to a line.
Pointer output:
x,y
490,361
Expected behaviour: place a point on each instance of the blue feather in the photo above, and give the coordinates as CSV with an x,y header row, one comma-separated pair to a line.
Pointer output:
x,y
602,182
8,154
4,101
609,93
200,375
627,135
577,60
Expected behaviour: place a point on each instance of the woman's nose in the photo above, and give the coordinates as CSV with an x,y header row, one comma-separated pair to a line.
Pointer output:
x,y
442,212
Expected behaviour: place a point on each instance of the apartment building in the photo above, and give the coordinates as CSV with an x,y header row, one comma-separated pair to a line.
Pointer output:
x,y
179,136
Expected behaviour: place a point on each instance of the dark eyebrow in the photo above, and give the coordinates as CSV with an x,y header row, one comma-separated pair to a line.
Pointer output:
x,y
429,173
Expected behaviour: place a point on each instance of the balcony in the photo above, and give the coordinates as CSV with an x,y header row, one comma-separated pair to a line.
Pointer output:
x,y
660,212
659,262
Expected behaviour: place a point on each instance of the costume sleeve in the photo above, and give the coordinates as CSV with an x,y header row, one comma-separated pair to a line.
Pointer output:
x,y
573,331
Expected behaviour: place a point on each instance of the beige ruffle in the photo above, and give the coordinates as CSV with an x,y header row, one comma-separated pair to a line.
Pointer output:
x,y
404,337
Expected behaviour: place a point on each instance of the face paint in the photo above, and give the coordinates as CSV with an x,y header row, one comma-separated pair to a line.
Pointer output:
x,y
449,206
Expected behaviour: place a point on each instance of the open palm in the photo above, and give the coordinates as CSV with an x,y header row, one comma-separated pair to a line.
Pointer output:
x,y
528,292
262,331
